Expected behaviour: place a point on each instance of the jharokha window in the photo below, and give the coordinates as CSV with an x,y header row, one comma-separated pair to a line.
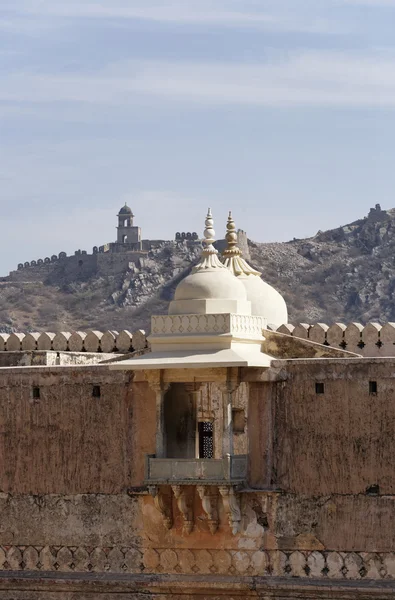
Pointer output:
x,y
206,444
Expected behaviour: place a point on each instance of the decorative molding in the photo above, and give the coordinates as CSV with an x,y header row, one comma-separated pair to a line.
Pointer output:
x,y
232,507
219,323
293,564
163,503
209,498
185,506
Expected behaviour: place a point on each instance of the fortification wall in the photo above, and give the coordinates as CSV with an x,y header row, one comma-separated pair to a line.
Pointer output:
x,y
106,342
116,264
77,521
110,259
371,339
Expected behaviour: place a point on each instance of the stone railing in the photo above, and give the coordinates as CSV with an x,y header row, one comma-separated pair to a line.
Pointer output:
x,y
77,341
372,339
159,470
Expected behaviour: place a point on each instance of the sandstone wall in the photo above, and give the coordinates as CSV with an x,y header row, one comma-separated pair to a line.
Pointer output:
x,y
72,431
77,523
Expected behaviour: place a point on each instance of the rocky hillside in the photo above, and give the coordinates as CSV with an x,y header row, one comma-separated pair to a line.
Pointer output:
x,y
345,274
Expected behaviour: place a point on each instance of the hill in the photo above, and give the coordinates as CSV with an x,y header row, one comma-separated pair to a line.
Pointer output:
x,y
345,274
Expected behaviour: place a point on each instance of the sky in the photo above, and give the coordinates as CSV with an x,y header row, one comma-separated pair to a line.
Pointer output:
x,y
282,111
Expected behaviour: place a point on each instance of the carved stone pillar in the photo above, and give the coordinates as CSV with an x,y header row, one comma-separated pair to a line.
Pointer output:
x,y
209,498
227,389
185,506
193,391
155,381
162,501
232,507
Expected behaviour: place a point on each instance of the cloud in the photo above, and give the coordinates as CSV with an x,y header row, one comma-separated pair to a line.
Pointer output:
x,y
225,13
307,79
374,3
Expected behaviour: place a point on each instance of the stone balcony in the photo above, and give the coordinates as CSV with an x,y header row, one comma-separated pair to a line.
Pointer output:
x,y
229,470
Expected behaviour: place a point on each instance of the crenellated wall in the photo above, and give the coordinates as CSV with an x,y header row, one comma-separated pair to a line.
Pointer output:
x,y
368,340
371,339
76,341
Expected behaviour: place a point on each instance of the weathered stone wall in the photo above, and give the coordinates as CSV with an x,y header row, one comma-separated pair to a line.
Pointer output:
x,y
339,437
63,438
318,529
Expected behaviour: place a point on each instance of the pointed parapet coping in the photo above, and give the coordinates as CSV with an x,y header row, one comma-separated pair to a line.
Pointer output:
x,y
317,333
76,341
387,334
3,341
108,342
335,335
45,340
92,341
287,328
30,340
139,340
301,331
14,342
371,333
61,341
353,334
124,341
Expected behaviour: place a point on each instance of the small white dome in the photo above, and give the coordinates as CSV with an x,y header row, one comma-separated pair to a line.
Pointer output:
x,y
210,288
265,300
216,283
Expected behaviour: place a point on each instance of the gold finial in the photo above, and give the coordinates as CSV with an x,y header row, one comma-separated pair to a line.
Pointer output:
x,y
232,254
231,237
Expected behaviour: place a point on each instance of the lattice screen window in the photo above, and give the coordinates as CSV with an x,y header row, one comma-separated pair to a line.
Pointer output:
x,y
206,441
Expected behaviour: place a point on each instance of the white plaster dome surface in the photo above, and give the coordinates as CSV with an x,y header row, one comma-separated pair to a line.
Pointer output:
x,y
218,283
265,300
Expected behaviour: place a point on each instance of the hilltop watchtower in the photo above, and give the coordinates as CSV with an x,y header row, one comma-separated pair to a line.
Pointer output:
x,y
126,232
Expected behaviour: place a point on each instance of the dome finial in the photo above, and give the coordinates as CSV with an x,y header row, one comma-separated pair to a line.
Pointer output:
x,y
231,237
209,233
209,257
232,253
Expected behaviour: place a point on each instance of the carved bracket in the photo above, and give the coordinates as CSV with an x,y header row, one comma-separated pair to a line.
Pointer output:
x,y
209,498
232,507
162,501
184,503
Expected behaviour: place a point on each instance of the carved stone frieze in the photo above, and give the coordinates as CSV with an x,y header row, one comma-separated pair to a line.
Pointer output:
x,y
209,498
205,324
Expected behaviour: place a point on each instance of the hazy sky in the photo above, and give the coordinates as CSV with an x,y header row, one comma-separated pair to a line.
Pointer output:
x,y
281,110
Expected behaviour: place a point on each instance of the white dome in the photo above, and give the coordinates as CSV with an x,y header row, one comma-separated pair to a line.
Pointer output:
x,y
265,300
211,288
216,283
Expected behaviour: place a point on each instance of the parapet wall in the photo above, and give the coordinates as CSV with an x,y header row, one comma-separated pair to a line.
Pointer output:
x,y
371,339
77,341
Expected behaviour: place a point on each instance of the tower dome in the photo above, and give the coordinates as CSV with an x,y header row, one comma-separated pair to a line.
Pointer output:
x,y
211,287
126,210
265,300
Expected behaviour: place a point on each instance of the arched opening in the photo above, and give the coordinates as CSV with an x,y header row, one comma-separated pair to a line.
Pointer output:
x,y
124,239
180,422
126,223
